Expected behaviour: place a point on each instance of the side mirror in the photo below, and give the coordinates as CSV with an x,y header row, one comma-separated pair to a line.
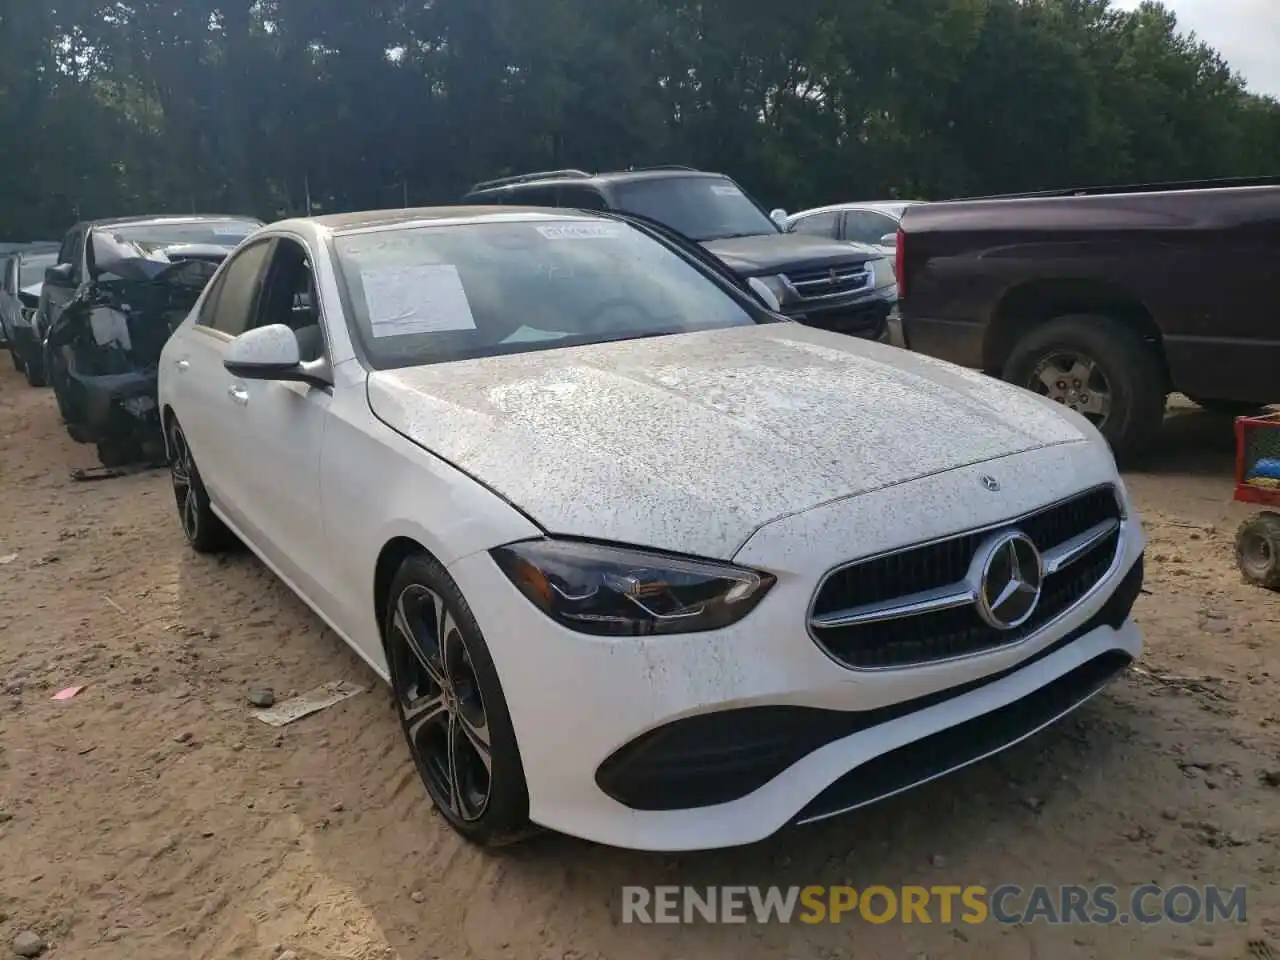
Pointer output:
x,y
779,216
265,353
59,275
889,240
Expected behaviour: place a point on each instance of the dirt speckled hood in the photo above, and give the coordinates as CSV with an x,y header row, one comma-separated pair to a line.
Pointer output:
x,y
692,442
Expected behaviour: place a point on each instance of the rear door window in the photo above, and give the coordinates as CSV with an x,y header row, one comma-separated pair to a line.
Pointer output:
x,y
863,226
818,225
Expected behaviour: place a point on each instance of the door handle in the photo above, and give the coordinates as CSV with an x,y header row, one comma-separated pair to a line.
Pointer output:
x,y
238,394
182,364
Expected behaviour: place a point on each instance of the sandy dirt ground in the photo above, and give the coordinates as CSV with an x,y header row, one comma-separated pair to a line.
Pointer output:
x,y
153,817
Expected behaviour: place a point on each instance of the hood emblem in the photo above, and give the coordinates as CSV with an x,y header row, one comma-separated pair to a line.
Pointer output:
x,y
990,483
833,277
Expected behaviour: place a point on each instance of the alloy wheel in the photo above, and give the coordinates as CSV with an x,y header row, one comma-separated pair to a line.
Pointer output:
x,y
182,471
1074,380
440,702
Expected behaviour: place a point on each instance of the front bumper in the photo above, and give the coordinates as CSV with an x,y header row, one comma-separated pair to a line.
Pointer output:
x,y
864,315
722,738
114,407
25,344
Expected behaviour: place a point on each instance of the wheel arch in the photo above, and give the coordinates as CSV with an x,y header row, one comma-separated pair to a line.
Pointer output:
x,y
167,418
393,553
1029,305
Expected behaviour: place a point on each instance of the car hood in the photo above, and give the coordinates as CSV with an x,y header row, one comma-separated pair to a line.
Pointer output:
x,y
690,443
776,253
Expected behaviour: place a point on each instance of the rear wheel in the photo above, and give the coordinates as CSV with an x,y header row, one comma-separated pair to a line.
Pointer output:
x,y
203,529
17,360
1102,370
452,708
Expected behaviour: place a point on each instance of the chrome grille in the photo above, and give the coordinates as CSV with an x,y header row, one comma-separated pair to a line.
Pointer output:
x,y
916,605
834,280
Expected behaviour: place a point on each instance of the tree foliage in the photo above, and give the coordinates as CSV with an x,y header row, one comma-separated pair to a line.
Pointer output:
x,y
264,106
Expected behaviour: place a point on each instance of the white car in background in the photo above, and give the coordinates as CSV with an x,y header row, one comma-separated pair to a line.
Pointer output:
x,y
642,561
873,223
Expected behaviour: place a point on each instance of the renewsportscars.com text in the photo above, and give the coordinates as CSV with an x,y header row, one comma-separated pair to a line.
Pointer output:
x,y
1004,904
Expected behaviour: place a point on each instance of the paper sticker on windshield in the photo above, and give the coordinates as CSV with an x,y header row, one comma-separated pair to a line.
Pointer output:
x,y
581,231
725,190
426,298
233,230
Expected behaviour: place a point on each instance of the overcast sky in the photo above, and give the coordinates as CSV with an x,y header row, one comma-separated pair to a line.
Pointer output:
x,y
1245,32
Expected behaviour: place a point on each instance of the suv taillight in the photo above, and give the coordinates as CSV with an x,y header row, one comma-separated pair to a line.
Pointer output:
x,y
899,269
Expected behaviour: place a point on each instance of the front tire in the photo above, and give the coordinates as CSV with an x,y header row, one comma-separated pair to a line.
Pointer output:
x,y
34,370
452,708
17,360
1102,370
200,525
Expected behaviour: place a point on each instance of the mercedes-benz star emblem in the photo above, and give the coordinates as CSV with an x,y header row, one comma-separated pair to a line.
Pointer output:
x,y
990,482
1009,580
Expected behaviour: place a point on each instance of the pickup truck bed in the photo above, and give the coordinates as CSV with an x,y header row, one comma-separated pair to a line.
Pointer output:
x,y
1105,299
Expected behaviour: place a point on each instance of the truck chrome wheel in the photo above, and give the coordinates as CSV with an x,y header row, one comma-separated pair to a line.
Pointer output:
x,y
1074,380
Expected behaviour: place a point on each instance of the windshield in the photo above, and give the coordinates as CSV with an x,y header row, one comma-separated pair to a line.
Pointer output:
x,y
702,208
31,268
438,293
222,233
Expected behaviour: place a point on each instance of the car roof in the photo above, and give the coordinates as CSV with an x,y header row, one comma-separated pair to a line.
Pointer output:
x,y
559,178
616,176
893,207
339,223
153,219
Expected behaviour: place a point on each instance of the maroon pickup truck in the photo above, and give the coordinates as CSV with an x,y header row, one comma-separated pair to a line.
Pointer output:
x,y
1104,299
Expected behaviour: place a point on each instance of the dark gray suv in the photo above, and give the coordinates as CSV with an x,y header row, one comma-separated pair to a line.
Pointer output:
x,y
835,285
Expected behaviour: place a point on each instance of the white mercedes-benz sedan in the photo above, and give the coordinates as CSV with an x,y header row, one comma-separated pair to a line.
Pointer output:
x,y
642,561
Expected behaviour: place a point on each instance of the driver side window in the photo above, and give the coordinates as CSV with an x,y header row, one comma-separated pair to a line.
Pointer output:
x,y
72,252
67,252
290,296
229,306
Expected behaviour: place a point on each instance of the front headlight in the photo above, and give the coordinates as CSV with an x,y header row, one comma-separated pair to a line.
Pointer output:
x,y
882,273
622,592
779,287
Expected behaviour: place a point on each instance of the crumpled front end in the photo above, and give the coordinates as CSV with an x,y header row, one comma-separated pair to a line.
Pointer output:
x,y
104,353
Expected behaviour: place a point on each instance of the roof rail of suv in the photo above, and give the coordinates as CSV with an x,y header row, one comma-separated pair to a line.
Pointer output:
x,y
664,166
532,178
